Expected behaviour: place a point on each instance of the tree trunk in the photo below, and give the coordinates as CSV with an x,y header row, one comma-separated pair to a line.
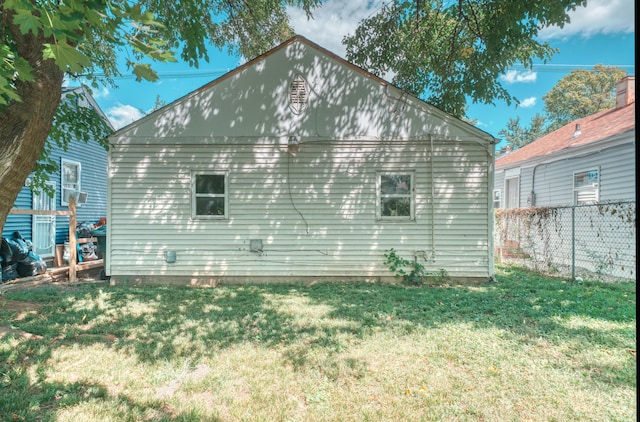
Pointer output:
x,y
25,125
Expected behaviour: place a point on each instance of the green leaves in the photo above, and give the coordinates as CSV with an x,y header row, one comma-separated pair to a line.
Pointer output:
x,y
582,93
448,52
27,21
66,57
144,71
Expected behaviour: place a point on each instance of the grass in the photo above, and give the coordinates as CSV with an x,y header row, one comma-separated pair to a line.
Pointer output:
x,y
523,348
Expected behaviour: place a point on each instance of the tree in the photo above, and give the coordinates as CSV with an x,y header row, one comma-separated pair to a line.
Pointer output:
x,y
44,40
577,95
581,93
450,51
518,136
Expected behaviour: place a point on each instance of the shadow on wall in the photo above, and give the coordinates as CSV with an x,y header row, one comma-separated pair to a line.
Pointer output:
x,y
321,199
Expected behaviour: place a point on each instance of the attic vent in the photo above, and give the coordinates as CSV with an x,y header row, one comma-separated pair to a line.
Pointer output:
x,y
298,95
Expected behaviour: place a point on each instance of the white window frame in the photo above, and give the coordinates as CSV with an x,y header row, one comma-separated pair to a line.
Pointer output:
x,y
507,193
497,197
194,195
411,195
595,188
63,182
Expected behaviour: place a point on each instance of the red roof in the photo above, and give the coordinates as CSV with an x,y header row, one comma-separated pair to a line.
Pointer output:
x,y
595,127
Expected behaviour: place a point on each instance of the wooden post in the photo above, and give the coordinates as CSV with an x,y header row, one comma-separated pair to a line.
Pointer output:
x,y
72,240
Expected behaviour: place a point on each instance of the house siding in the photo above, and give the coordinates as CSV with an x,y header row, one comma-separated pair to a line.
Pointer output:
x,y
17,222
93,160
554,179
314,211
93,180
618,173
332,184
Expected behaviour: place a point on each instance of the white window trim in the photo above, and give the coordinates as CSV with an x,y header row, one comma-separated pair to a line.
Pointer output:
x,y
575,190
493,198
226,195
411,195
62,179
505,202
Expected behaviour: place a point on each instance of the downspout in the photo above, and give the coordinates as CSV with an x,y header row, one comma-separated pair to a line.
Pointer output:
x,y
533,184
433,216
491,150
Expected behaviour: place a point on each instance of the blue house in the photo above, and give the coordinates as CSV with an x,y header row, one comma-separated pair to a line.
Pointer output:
x,y
83,167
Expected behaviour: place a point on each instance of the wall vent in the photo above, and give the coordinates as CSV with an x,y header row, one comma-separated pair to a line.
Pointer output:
x,y
298,94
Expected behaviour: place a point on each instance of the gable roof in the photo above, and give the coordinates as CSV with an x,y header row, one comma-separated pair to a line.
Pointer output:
x,y
596,127
287,51
85,92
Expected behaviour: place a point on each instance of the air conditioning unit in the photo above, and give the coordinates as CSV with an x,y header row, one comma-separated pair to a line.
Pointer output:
x,y
80,197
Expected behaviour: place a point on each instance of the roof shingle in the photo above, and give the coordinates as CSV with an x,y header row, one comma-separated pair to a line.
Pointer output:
x,y
596,127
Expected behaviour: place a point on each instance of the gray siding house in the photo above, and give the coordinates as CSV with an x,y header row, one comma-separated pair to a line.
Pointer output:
x,y
297,166
589,160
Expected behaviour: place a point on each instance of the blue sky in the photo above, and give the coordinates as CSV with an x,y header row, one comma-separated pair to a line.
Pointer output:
x,y
601,33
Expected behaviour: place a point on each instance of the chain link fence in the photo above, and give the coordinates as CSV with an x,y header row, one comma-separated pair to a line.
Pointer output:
x,y
595,242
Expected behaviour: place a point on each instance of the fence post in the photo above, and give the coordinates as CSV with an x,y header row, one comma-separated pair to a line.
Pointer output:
x,y
73,256
573,243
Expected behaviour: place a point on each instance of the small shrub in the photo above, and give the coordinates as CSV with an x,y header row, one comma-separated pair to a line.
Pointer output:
x,y
412,272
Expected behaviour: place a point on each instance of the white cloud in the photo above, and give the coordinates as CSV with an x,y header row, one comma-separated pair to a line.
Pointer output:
x,y
528,102
337,18
598,17
123,114
513,76
100,93
332,21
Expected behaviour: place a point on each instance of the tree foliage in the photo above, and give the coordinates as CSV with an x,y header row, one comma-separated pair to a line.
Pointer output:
x,y
447,52
517,136
43,41
581,93
577,95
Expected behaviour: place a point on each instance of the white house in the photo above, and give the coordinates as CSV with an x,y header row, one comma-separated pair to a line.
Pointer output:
x,y
586,161
297,166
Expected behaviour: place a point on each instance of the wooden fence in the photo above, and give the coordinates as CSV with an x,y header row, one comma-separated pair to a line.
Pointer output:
x,y
73,242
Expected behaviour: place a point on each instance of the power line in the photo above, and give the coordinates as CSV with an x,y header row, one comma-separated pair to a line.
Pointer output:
x,y
565,68
183,74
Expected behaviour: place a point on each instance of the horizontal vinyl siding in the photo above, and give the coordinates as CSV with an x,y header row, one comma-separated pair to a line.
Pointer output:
x,y
618,174
93,159
554,181
19,222
333,232
93,180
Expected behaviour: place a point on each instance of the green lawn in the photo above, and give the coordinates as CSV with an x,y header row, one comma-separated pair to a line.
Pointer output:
x,y
523,348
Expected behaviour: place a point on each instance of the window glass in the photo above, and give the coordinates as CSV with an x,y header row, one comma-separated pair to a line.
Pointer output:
x,y
70,178
210,195
585,186
210,184
210,206
395,195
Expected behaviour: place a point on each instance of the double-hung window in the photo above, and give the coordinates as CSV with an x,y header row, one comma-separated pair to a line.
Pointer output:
x,y
496,198
210,195
586,186
395,195
70,173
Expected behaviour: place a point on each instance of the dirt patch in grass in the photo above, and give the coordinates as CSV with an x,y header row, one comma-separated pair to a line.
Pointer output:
x,y
201,371
19,306
21,310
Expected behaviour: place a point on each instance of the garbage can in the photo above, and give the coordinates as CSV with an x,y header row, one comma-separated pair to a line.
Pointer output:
x,y
101,234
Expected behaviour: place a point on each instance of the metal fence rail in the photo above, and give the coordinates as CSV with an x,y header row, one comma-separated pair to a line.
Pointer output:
x,y
588,241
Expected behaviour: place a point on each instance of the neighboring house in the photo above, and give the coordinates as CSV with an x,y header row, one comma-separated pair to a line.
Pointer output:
x,y
590,160
83,167
297,165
